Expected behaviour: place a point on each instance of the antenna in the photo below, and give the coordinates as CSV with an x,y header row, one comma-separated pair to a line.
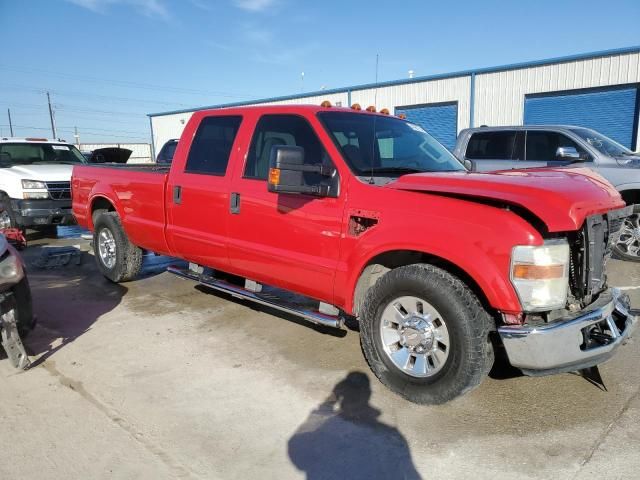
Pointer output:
x,y
375,117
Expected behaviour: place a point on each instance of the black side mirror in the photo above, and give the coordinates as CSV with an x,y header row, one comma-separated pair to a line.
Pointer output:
x,y
286,172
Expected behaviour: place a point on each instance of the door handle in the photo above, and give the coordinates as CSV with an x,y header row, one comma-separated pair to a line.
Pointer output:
x,y
234,203
177,194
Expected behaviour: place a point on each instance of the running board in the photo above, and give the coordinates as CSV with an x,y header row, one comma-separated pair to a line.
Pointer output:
x,y
239,292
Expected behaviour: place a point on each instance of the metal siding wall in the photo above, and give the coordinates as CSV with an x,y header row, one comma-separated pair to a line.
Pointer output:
x,y
439,120
166,127
500,95
611,112
456,89
140,152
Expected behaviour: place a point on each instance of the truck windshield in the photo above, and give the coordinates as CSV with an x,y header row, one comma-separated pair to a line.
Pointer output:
x,y
399,148
12,154
601,143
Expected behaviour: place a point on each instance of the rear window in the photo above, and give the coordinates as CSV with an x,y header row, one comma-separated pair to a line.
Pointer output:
x,y
28,153
491,145
211,147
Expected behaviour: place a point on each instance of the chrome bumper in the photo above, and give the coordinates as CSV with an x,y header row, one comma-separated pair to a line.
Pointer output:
x,y
572,343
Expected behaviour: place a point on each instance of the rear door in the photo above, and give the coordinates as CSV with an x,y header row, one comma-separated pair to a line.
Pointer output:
x,y
492,150
286,240
198,191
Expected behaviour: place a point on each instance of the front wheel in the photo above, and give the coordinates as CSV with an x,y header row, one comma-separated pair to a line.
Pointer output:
x,y
425,334
628,245
118,259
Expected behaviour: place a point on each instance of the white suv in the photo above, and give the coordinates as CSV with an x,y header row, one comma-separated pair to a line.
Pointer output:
x,y
35,182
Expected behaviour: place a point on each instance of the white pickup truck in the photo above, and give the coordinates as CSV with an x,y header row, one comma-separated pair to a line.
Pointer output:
x,y
35,188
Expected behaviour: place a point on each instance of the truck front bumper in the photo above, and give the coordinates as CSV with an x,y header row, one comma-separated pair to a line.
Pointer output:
x,y
580,341
34,213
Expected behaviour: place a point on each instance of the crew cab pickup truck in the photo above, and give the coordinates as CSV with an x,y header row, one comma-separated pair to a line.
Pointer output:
x,y
499,148
371,219
35,175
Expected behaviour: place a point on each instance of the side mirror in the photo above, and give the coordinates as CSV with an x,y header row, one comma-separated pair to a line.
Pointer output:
x,y
286,172
469,164
568,153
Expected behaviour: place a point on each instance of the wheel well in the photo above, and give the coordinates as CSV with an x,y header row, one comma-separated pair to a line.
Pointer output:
x,y
382,263
100,205
631,197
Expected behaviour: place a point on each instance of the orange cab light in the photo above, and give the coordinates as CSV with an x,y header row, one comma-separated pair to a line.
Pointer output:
x,y
326,104
371,108
384,111
356,106
402,116
274,176
538,272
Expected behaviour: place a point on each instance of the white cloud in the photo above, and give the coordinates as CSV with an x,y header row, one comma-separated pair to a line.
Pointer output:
x,y
149,8
255,5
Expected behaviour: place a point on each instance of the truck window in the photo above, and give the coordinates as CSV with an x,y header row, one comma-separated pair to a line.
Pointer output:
x,y
542,146
290,130
211,146
496,145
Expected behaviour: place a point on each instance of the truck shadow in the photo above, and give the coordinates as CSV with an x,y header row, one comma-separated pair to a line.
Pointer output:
x,y
344,438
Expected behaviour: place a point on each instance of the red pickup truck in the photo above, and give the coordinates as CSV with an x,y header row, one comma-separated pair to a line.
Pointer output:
x,y
369,218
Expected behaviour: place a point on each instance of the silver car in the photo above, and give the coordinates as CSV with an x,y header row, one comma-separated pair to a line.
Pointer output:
x,y
503,148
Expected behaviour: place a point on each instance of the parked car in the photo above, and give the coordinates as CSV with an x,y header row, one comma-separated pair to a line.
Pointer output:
x,y
109,155
35,176
500,148
16,310
374,219
167,151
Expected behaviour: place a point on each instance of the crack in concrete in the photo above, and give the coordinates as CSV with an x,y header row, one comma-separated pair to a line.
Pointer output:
x,y
605,433
177,470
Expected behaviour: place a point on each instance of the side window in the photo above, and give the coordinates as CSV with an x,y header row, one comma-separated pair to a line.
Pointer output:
x,y
289,130
496,145
542,146
211,146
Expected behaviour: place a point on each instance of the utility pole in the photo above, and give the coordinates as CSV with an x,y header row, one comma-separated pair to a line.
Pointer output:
x,y
10,124
53,122
77,137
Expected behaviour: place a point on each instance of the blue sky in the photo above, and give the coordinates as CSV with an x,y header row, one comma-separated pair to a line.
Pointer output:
x,y
107,63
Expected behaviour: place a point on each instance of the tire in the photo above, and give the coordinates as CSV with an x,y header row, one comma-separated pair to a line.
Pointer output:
x,y
5,206
25,319
469,354
628,246
125,262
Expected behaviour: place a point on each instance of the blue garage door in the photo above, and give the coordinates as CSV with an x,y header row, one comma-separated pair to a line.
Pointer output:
x,y
440,120
612,112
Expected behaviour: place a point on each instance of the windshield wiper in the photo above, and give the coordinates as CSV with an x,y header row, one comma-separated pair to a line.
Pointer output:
x,y
400,170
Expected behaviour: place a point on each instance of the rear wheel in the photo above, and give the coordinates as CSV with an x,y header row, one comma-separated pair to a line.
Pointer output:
x,y
7,215
118,259
425,334
628,245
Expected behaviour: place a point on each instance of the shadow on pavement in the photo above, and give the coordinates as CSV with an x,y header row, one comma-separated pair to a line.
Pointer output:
x,y
343,438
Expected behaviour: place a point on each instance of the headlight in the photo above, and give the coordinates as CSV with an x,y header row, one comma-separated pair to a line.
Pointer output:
x,y
10,270
33,185
540,275
35,195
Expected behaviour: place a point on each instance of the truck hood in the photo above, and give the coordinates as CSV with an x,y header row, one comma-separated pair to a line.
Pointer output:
x,y
43,172
560,198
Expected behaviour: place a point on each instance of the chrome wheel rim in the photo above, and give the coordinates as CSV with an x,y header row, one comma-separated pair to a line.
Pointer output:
x,y
414,336
629,239
107,248
5,219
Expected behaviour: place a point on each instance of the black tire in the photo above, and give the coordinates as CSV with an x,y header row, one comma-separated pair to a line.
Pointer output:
x,y
470,355
621,252
25,319
5,206
128,257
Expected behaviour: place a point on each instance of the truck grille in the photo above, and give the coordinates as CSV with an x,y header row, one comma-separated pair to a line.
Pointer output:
x,y
59,190
591,247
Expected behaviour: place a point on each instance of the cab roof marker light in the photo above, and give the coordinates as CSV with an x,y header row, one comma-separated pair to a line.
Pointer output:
x,y
371,108
326,104
384,111
402,116
356,106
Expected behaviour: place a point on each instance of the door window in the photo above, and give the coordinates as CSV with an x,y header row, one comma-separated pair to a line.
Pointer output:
x,y
496,145
542,146
211,146
290,130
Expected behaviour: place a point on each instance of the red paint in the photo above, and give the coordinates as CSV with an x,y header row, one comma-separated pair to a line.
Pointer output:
x,y
302,243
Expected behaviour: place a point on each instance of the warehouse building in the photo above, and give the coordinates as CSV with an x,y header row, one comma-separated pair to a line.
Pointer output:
x,y
597,90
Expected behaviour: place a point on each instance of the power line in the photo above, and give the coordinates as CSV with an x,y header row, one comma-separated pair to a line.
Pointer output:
x,y
71,129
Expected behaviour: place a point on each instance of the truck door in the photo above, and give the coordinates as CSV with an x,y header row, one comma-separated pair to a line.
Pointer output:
x,y
198,191
286,240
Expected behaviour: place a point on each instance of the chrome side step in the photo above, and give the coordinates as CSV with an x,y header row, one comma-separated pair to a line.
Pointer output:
x,y
313,316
